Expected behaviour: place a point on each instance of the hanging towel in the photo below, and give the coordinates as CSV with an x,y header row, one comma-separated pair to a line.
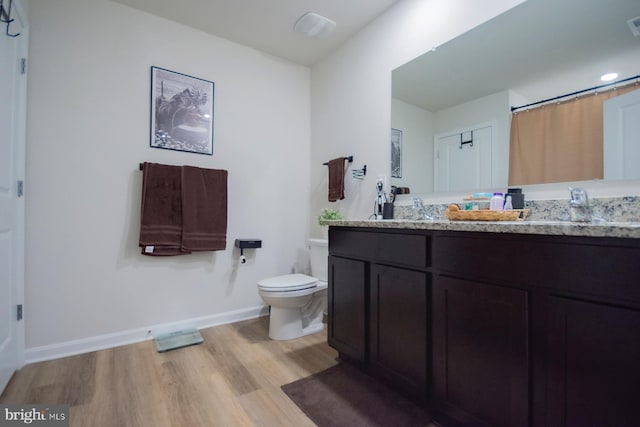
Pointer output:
x,y
161,210
204,209
184,209
336,179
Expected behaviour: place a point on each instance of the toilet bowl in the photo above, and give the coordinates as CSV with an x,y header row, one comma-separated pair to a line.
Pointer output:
x,y
298,301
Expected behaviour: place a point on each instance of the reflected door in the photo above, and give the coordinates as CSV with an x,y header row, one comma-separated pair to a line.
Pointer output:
x,y
463,165
622,136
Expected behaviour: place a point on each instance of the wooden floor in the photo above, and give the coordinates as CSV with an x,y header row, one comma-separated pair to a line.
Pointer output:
x,y
233,379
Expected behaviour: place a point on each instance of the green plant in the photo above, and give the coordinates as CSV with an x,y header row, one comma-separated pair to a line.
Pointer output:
x,y
328,214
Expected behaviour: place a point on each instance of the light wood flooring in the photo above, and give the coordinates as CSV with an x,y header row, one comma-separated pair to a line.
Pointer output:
x,y
232,379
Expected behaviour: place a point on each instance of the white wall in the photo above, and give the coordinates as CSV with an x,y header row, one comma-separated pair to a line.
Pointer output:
x,y
417,146
351,90
88,129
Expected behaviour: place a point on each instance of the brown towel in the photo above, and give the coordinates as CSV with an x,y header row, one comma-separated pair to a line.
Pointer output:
x,y
204,209
161,210
184,209
336,179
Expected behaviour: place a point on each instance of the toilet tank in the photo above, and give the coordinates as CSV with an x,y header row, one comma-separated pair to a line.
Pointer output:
x,y
318,255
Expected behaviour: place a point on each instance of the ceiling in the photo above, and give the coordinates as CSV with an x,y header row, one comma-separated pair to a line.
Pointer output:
x,y
267,25
522,49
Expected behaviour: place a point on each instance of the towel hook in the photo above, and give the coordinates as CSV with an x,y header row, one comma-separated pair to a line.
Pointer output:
x,y
5,17
359,173
470,141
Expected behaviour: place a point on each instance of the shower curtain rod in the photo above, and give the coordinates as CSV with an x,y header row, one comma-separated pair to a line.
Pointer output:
x,y
575,93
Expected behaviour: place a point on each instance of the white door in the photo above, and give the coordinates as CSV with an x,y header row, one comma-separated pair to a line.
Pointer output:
x,y
461,165
12,133
622,136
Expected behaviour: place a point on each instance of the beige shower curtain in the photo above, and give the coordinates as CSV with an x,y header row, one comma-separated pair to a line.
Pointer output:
x,y
559,142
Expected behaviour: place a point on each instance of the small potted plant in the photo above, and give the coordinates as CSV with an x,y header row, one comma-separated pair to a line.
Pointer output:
x,y
328,214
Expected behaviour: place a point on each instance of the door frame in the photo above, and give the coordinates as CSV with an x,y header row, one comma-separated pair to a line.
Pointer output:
x,y
18,13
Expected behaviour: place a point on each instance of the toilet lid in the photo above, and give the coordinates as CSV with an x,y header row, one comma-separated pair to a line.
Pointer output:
x,y
288,282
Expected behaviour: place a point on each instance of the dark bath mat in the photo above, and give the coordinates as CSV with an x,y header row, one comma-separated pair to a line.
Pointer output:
x,y
343,396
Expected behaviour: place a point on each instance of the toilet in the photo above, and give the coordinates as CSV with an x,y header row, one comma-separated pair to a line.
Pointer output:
x,y
298,301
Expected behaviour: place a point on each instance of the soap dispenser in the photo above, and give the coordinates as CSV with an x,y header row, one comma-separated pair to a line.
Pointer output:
x,y
508,205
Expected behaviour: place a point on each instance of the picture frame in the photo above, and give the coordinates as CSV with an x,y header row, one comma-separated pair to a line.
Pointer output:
x,y
396,153
181,112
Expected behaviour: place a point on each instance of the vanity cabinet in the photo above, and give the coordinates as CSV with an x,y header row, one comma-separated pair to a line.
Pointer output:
x,y
593,364
480,353
493,329
399,328
378,299
533,330
347,307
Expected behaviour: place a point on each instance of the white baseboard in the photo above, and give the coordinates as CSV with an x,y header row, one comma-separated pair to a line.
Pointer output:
x,y
101,342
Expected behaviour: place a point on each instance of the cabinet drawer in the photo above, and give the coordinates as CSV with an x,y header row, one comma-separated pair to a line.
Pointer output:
x,y
382,247
606,268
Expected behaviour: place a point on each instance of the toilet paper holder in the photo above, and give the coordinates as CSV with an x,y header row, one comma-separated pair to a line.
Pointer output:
x,y
247,244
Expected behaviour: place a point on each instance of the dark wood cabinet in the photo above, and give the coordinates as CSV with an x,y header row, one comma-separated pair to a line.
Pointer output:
x,y
379,290
398,328
593,370
347,307
480,353
491,329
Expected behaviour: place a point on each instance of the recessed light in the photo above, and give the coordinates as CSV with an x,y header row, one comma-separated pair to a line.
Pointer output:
x,y
609,76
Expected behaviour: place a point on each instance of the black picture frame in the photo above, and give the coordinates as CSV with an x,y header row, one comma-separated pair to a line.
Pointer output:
x,y
181,112
396,153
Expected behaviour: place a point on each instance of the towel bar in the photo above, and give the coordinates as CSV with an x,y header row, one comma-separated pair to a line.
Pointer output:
x,y
349,159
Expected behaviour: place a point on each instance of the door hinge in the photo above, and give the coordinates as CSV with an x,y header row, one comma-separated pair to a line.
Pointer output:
x,y
23,65
19,312
20,188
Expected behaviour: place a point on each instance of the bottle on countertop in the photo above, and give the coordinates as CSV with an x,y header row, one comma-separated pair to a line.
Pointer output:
x,y
508,206
496,203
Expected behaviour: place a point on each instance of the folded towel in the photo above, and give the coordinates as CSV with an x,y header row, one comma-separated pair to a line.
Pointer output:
x,y
336,179
184,209
204,209
161,210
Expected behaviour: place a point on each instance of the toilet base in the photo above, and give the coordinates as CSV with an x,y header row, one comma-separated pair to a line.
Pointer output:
x,y
286,324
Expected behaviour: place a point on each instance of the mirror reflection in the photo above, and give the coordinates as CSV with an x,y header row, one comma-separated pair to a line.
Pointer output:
x,y
452,105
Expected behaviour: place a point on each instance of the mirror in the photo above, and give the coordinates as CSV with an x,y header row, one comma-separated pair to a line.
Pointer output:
x,y
537,50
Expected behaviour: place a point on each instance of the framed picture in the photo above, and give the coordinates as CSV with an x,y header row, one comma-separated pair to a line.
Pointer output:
x,y
396,153
181,112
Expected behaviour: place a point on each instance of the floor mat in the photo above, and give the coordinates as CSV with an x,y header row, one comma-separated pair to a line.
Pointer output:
x,y
344,396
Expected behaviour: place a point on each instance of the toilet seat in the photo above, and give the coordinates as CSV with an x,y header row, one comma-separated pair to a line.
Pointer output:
x,y
287,283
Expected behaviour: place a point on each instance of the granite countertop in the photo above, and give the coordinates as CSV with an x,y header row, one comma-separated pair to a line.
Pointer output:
x,y
561,228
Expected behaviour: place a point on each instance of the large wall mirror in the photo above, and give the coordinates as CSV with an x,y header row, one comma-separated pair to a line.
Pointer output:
x,y
460,94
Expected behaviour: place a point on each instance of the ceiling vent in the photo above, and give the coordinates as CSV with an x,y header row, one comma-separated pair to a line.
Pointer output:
x,y
634,24
314,25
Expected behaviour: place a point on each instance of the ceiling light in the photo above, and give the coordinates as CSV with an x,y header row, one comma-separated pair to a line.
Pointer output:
x,y
314,25
609,76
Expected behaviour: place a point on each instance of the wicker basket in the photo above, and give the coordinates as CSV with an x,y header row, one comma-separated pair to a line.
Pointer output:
x,y
486,215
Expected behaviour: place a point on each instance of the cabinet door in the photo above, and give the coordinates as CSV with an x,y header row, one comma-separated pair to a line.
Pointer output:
x,y
593,364
346,305
399,328
480,354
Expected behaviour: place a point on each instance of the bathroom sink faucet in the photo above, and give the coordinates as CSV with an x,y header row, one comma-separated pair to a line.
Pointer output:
x,y
579,205
417,205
